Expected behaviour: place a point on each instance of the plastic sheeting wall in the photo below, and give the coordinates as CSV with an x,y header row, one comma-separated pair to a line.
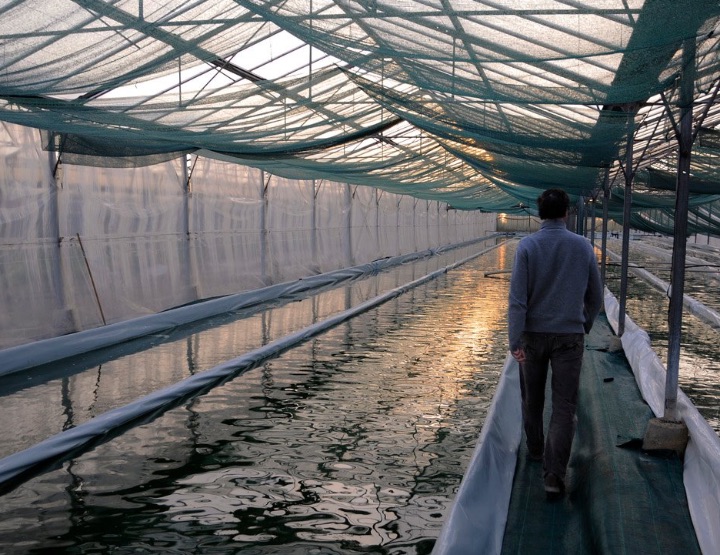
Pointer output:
x,y
83,246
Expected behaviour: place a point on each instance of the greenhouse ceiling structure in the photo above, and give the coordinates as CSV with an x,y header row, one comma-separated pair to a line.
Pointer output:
x,y
479,104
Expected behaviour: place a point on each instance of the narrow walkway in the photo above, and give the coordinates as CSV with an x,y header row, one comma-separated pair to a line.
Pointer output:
x,y
620,499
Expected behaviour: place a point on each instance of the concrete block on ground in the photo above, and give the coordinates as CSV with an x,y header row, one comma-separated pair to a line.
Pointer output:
x,y
665,434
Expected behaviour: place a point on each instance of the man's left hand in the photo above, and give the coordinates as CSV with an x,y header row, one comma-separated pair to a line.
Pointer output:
x,y
519,354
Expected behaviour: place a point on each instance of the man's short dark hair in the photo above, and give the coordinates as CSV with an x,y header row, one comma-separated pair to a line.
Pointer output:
x,y
552,204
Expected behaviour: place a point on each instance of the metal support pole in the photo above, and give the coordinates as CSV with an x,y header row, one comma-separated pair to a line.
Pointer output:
x,y
186,196
414,225
627,204
377,220
426,244
710,214
439,240
606,202
314,231
580,223
187,251
592,222
348,226
59,292
263,230
398,244
681,226
54,187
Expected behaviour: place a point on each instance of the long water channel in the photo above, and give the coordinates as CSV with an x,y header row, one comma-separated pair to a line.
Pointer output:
x,y
352,442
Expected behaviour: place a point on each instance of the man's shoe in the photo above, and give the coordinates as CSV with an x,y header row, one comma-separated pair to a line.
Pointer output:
x,y
554,487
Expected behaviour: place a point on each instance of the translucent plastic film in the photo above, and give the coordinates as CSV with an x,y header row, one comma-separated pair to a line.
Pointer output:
x,y
82,247
476,523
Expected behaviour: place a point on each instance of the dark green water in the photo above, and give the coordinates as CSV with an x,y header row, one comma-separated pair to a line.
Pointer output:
x,y
354,442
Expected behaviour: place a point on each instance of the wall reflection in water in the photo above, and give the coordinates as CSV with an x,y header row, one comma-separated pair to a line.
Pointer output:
x,y
45,401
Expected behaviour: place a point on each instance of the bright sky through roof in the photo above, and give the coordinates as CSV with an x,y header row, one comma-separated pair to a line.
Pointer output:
x,y
280,55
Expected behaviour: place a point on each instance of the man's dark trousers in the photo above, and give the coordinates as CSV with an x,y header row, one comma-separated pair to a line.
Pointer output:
x,y
564,352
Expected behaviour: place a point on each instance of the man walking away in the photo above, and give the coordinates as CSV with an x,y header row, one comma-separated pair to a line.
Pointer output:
x,y
555,296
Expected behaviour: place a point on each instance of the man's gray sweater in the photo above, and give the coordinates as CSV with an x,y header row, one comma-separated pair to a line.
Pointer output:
x,y
555,285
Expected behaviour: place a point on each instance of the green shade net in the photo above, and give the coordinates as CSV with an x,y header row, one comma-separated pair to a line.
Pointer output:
x,y
477,104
